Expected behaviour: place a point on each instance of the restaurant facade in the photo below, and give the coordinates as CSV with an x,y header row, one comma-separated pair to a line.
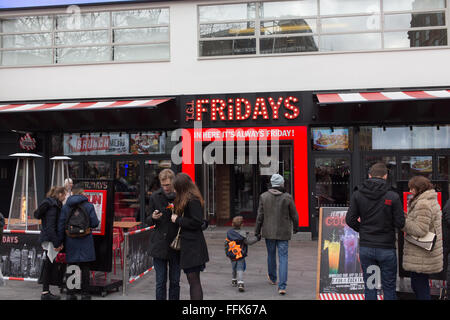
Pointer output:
x,y
224,117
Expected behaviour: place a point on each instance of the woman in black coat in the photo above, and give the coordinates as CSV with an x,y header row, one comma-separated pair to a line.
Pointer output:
x,y
189,216
49,212
446,242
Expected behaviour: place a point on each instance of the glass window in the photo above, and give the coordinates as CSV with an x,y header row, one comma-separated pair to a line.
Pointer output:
x,y
141,18
414,166
148,143
286,9
142,52
332,179
81,38
406,5
26,24
26,40
227,47
288,26
289,44
235,29
160,34
332,7
349,24
88,20
403,138
27,57
331,139
74,169
85,54
97,170
413,20
240,11
127,195
350,42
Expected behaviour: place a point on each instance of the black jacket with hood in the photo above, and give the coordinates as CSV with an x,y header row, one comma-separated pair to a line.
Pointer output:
x,y
380,212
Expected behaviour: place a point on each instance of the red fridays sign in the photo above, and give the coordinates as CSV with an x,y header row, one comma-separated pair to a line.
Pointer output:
x,y
242,109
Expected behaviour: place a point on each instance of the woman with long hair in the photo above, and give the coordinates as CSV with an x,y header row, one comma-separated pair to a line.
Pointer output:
x,y
424,215
49,214
188,215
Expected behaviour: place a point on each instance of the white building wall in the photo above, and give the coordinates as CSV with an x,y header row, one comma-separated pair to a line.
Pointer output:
x,y
186,74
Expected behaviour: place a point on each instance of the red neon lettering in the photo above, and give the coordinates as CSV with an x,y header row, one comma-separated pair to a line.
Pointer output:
x,y
220,109
292,107
275,107
248,109
199,109
263,112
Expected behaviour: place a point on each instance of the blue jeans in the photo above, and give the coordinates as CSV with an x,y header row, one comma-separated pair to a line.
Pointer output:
x,y
386,260
161,278
420,285
282,246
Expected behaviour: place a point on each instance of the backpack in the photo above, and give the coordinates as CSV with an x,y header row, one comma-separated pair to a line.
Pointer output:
x,y
78,222
233,249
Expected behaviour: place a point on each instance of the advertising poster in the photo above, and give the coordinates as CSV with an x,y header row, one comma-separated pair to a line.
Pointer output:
x,y
96,144
98,199
339,270
21,255
147,143
327,139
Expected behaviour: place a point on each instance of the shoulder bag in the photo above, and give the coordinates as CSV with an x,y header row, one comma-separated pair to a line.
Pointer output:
x,y
176,243
427,242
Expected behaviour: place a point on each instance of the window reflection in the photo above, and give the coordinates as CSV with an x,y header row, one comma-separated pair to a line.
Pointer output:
x,y
227,47
406,5
414,166
410,20
350,42
444,169
346,24
240,11
286,9
97,169
331,7
288,44
390,163
288,26
332,177
86,54
216,30
126,185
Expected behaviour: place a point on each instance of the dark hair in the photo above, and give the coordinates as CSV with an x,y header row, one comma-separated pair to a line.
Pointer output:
x,y
55,191
420,184
186,190
77,189
378,170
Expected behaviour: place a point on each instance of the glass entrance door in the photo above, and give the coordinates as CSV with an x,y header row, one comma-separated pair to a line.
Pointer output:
x,y
127,190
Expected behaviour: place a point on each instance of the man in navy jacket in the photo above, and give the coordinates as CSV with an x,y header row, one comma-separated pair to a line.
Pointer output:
x,y
380,212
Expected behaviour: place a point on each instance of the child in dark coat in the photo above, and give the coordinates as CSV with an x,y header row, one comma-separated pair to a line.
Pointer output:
x,y
236,247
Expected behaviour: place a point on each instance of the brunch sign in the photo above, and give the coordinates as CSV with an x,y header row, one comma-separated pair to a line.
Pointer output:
x,y
218,109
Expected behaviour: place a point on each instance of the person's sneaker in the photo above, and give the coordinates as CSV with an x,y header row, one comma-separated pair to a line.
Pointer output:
x,y
86,297
49,296
234,282
71,297
270,281
282,292
241,287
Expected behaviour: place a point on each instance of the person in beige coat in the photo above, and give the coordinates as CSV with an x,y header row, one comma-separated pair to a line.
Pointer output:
x,y
424,215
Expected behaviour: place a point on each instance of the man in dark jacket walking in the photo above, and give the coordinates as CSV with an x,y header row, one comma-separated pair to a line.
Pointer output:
x,y
165,259
79,250
277,219
380,213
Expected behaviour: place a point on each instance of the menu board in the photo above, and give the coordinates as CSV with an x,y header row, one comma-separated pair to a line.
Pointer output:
x,y
338,266
328,139
421,164
96,144
98,199
147,143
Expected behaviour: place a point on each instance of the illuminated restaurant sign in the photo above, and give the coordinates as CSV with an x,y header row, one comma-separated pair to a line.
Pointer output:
x,y
15,4
242,109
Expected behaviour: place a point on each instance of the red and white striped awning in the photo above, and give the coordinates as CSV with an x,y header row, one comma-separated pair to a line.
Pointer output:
x,y
381,96
85,105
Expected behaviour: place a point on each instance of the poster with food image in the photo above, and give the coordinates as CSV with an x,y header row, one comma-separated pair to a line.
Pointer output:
x,y
327,139
147,143
421,164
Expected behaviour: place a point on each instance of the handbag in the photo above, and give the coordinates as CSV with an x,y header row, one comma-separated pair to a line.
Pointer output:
x,y
426,242
176,243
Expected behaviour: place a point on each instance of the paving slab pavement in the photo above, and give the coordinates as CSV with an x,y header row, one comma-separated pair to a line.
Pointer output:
x,y
216,279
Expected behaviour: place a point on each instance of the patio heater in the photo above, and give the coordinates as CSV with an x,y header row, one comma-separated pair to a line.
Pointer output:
x,y
24,196
60,170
